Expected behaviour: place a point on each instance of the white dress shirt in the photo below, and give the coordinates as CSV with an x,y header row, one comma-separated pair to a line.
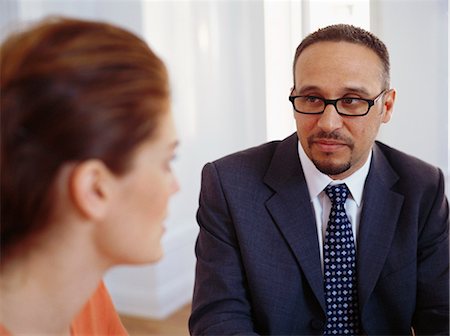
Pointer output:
x,y
317,182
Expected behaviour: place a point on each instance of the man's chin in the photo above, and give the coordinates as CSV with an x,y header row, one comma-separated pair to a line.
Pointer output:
x,y
330,168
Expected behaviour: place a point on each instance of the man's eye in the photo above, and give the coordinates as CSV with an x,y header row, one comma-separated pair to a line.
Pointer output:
x,y
349,101
312,99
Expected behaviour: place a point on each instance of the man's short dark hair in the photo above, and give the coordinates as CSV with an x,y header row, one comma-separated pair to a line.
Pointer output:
x,y
352,34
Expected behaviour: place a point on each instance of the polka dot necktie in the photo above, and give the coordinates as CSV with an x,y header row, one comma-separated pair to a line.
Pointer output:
x,y
339,259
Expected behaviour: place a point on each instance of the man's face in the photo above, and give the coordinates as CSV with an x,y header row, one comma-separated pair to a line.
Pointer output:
x,y
340,145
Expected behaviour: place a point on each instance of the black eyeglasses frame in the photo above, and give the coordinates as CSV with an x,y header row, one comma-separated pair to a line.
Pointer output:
x,y
371,102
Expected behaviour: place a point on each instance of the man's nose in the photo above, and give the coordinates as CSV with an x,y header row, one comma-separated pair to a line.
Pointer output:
x,y
330,119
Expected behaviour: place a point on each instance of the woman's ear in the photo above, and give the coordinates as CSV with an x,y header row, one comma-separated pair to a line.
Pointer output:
x,y
90,188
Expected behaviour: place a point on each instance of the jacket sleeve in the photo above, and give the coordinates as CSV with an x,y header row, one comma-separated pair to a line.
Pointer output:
x,y
220,303
432,308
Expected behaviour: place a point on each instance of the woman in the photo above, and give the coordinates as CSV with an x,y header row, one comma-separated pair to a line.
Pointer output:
x,y
86,143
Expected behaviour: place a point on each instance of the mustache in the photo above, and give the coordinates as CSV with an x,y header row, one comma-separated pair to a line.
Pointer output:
x,y
335,135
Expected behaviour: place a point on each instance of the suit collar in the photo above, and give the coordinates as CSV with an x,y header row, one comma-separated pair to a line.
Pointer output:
x,y
285,165
292,211
378,222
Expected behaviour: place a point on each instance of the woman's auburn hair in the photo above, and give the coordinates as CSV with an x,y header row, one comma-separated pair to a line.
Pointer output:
x,y
71,90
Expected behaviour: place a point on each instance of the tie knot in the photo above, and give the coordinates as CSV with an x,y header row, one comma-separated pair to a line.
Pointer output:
x,y
337,193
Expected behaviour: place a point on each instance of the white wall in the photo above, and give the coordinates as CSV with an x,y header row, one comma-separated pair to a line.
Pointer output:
x,y
16,13
416,34
282,34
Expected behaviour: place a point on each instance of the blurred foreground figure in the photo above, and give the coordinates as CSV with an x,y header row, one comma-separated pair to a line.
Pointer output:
x,y
86,142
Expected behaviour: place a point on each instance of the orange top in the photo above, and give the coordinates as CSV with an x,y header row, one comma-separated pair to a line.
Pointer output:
x,y
3,331
98,317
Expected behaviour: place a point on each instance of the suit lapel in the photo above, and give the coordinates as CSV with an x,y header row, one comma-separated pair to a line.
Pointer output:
x,y
378,222
292,211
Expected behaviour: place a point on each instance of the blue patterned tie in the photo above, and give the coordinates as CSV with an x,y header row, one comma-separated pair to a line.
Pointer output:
x,y
339,259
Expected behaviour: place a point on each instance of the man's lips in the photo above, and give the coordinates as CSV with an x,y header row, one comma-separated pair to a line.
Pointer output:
x,y
328,145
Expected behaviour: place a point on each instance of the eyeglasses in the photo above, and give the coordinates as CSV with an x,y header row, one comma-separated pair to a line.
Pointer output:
x,y
347,106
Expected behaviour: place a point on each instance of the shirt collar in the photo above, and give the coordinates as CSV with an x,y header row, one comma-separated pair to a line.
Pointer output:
x,y
317,181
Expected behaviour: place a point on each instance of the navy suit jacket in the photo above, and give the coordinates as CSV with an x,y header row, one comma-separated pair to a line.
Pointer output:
x,y
258,263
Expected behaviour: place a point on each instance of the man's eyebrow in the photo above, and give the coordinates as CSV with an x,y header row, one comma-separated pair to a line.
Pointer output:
x,y
357,89
307,88
348,89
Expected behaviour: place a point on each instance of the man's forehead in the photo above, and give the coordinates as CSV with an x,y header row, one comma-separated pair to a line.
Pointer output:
x,y
342,46
329,55
338,67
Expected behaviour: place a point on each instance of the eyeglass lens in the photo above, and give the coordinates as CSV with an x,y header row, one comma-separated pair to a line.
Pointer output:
x,y
351,106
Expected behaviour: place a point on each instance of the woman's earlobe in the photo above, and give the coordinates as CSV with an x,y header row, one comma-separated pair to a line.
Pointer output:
x,y
89,188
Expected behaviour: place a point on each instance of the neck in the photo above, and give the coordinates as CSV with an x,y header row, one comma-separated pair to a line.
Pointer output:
x,y
42,290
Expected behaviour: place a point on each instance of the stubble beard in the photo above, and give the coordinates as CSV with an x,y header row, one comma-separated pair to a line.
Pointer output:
x,y
331,169
326,166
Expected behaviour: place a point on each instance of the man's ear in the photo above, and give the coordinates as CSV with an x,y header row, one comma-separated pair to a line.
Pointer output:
x,y
90,188
388,105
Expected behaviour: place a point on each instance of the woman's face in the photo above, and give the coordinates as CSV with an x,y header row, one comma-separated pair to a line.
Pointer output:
x,y
134,225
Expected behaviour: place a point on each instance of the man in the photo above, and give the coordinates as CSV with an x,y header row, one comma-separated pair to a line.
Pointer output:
x,y
327,232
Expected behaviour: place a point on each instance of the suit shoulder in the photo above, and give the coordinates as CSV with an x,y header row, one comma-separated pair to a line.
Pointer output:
x,y
243,168
255,158
409,167
260,151
251,165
